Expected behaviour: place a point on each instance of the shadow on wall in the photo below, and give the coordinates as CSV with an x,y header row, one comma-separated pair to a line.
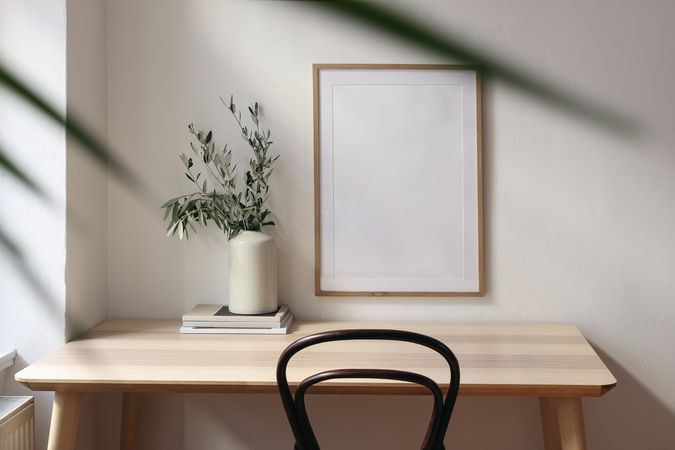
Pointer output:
x,y
628,411
10,387
100,422
397,422
161,426
248,422
7,384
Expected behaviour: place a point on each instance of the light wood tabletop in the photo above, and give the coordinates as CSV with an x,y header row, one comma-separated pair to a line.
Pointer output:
x,y
551,361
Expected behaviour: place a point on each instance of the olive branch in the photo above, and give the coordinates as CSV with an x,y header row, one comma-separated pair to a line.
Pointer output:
x,y
231,209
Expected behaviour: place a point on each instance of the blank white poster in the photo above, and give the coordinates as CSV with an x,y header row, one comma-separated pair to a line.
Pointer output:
x,y
398,181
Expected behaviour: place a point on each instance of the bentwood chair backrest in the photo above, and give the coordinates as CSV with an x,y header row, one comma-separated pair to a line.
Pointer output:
x,y
296,411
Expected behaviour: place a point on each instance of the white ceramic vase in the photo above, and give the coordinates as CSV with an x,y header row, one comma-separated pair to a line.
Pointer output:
x,y
253,273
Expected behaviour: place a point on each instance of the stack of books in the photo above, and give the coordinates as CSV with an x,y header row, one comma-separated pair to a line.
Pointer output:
x,y
219,320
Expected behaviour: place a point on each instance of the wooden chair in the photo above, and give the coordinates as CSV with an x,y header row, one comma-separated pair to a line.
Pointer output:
x,y
297,412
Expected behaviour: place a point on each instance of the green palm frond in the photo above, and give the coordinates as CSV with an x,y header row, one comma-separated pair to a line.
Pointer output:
x,y
90,144
401,26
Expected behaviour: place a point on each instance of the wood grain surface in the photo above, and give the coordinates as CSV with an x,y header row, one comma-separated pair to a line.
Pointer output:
x,y
151,356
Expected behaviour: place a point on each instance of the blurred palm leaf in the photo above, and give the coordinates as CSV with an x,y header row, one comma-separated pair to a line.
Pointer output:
x,y
24,269
20,175
94,147
374,15
396,24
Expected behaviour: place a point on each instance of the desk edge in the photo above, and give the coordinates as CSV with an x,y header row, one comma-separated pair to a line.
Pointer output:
x,y
267,388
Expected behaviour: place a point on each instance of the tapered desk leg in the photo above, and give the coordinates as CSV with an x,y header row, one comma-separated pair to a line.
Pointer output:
x,y
65,419
562,420
130,421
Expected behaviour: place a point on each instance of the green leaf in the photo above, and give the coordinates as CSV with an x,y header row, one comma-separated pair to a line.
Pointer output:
x,y
190,222
172,229
168,202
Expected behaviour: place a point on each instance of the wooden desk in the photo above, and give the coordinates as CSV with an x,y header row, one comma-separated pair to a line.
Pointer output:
x,y
552,362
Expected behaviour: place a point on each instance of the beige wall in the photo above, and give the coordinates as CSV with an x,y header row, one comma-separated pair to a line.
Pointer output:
x,y
86,182
579,221
86,187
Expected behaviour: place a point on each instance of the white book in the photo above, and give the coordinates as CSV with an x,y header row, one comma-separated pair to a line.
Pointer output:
x,y
211,324
221,329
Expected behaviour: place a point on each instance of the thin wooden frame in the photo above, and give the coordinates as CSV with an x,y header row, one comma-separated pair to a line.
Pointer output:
x,y
317,68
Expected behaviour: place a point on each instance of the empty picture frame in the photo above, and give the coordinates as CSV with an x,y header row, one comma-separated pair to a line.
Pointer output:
x,y
397,180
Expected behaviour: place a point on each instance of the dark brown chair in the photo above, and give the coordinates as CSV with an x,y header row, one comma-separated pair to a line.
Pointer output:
x,y
295,407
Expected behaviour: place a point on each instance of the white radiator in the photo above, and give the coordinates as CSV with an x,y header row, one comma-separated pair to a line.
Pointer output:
x,y
17,423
